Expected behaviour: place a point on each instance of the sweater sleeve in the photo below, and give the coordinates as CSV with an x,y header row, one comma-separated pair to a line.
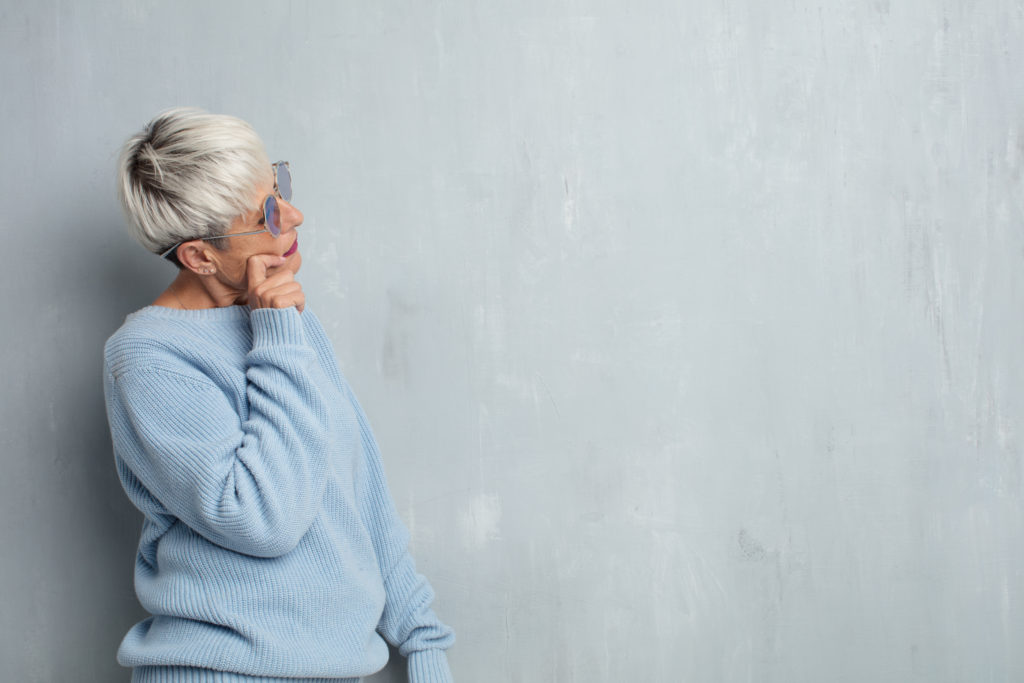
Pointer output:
x,y
408,621
252,483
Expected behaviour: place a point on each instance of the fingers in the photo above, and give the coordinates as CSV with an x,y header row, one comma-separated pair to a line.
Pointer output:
x,y
273,287
279,291
257,266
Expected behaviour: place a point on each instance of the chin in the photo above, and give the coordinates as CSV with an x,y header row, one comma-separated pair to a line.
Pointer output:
x,y
294,262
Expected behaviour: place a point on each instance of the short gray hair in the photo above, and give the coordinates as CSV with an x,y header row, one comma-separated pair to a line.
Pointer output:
x,y
189,174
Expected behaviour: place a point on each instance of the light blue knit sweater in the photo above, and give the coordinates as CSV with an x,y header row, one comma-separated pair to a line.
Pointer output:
x,y
270,547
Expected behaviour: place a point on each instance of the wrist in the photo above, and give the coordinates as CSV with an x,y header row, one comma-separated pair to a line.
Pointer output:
x,y
429,666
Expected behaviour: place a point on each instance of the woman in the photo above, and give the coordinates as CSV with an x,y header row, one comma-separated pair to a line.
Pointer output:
x,y
270,547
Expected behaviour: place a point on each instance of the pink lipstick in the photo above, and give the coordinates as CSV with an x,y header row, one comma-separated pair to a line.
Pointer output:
x,y
292,249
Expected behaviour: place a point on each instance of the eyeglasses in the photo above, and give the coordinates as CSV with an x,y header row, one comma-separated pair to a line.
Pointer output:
x,y
271,211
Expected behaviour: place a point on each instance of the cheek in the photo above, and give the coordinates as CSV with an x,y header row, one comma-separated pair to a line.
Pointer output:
x,y
235,272
233,264
265,244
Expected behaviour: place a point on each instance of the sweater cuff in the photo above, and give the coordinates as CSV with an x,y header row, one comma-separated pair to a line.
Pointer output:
x,y
429,666
276,327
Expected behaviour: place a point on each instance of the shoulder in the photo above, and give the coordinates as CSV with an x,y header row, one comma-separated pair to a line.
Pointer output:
x,y
311,322
316,334
138,340
162,338
318,338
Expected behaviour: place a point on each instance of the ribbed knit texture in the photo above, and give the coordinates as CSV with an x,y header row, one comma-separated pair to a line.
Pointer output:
x,y
270,548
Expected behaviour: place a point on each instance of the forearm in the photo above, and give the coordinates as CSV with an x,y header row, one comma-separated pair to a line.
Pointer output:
x,y
408,621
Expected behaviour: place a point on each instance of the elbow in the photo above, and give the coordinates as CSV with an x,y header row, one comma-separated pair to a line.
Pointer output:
x,y
265,521
271,540
272,533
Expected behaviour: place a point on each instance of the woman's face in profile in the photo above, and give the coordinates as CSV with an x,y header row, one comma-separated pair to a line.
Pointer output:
x,y
232,262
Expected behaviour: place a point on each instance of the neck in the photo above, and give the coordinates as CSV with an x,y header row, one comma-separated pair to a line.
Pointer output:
x,y
193,292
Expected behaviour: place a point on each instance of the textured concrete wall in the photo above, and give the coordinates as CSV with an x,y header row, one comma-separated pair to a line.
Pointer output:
x,y
690,331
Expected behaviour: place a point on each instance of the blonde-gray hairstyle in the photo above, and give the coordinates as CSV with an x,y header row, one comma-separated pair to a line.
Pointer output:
x,y
189,174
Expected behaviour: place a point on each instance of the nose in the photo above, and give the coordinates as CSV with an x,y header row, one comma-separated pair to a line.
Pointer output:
x,y
291,217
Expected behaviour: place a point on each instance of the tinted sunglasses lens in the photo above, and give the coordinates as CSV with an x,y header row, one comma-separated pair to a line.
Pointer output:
x,y
284,181
272,215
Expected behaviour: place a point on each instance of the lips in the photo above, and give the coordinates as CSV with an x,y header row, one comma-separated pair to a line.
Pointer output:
x,y
292,249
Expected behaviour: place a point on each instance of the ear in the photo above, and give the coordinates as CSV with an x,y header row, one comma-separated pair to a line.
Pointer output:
x,y
197,257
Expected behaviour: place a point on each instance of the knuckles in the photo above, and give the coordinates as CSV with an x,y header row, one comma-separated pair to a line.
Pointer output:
x,y
278,291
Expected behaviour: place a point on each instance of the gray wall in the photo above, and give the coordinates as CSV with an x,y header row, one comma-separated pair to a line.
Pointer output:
x,y
690,331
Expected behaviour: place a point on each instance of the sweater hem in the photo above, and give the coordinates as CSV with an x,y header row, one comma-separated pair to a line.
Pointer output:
x,y
187,674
